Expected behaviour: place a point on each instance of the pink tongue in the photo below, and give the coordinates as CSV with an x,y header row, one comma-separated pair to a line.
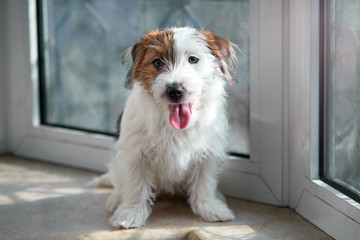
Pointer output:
x,y
180,115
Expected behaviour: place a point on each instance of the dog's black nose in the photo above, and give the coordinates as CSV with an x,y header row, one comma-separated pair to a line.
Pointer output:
x,y
175,92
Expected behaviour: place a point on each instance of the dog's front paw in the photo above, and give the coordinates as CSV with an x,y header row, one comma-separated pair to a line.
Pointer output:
x,y
213,211
129,217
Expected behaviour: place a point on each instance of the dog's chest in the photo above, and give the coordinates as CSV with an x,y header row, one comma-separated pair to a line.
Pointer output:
x,y
171,159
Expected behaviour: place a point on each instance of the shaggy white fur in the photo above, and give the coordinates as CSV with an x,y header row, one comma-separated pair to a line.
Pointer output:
x,y
152,156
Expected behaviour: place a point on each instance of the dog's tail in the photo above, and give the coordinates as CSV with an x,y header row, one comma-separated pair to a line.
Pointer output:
x,y
102,181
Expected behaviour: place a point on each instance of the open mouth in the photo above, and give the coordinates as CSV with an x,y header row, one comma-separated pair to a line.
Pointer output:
x,y
180,114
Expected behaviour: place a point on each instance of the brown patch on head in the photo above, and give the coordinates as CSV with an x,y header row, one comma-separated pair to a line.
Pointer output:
x,y
154,45
221,48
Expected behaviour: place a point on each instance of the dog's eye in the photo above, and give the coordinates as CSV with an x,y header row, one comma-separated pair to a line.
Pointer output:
x,y
193,60
158,63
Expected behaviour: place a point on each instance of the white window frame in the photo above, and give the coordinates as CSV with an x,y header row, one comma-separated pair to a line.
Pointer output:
x,y
326,207
263,178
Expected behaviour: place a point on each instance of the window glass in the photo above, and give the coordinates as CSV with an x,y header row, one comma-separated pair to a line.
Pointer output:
x,y
81,43
341,166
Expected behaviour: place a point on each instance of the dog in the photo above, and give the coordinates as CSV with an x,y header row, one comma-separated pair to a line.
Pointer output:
x,y
174,126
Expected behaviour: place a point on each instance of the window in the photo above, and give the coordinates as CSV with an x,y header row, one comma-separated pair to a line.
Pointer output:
x,y
81,43
341,92
315,54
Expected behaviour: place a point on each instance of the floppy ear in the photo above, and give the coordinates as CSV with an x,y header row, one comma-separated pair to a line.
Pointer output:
x,y
131,58
222,50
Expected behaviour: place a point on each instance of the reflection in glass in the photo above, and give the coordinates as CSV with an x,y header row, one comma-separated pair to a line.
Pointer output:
x,y
82,42
342,95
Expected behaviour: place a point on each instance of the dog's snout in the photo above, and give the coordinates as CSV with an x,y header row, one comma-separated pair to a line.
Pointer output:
x,y
175,92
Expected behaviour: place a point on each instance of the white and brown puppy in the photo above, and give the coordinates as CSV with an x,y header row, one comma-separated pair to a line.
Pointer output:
x,y
174,126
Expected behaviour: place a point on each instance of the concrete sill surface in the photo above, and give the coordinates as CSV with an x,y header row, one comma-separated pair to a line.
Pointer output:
x,y
44,201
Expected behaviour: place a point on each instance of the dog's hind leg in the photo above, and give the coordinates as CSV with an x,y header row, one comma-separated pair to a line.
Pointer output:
x,y
102,181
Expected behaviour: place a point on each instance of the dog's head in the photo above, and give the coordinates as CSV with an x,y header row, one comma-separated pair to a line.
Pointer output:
x,y
180,68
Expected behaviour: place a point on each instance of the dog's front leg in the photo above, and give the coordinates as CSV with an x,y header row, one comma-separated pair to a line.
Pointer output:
x,y
136,197
203,196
